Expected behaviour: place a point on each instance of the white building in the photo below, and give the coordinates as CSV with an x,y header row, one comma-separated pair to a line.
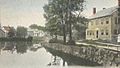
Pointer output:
x,y
2,32
6,30
35,32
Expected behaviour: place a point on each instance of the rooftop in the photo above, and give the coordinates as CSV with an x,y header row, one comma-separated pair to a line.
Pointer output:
x,y
104,12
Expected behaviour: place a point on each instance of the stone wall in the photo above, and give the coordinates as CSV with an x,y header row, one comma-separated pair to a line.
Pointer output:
x,y
101,56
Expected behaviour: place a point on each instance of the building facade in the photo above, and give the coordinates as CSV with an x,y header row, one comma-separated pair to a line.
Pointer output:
x,y
6,30
103,25
35,32
2,33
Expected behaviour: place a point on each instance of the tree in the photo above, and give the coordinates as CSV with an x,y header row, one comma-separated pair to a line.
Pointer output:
x,y
81,26
33,26
65,12
21,31
11,32
52,27
41,28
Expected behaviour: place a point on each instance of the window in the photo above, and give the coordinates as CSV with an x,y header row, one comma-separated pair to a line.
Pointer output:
x,y
88,33
118,20
107,22
115,31
91,23
107,32
97,33
93,33
101,22
102,33
96,22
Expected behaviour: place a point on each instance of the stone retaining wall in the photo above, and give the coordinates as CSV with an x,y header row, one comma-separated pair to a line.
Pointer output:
x,y
99,55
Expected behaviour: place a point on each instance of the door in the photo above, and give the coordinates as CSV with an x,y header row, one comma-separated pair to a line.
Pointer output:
x,y
97,34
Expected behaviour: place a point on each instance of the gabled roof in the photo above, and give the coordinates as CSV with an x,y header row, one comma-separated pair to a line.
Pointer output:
x,y
2,30
104,12
6,28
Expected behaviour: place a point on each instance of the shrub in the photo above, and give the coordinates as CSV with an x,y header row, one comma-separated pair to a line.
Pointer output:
x,y
71,42
54,40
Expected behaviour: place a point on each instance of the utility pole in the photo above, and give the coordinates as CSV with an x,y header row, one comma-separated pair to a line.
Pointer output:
x,y
119,16
0,17
118,20
118,54
118,40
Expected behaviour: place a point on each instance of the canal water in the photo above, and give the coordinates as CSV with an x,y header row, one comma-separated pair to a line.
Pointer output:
x,y
33,55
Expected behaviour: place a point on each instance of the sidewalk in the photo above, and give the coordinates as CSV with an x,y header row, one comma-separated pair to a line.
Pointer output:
x,y
108,45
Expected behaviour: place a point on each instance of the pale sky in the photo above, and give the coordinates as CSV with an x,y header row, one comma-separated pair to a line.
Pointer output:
x,y
27,12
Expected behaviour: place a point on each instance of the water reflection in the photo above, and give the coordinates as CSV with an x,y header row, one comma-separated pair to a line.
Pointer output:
x,y
19,47
57,61
32,55
70,60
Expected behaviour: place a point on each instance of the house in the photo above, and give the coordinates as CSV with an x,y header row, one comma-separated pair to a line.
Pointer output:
x,y
103,24
35,32
6,30
2,33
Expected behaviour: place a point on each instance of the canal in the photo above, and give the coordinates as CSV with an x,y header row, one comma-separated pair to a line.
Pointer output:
x,y
33,55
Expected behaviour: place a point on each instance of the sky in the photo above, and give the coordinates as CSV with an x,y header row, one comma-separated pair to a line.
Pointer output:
x,y
26,12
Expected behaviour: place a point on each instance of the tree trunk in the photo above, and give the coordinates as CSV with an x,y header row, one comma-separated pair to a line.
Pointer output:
x,y
70,27
119,24
56,36
63,63
64,34
70,31
70,23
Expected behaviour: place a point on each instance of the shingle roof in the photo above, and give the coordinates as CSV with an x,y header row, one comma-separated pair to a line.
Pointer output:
x,y
104,12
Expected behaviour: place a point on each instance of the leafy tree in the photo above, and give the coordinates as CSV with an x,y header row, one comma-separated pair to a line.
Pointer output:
x,y
33,26
41,28
66,12
11,32
52,27
81,26
21,31
21,47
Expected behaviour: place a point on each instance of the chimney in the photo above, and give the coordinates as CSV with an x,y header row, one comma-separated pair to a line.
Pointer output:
x,y
118,2
94,10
